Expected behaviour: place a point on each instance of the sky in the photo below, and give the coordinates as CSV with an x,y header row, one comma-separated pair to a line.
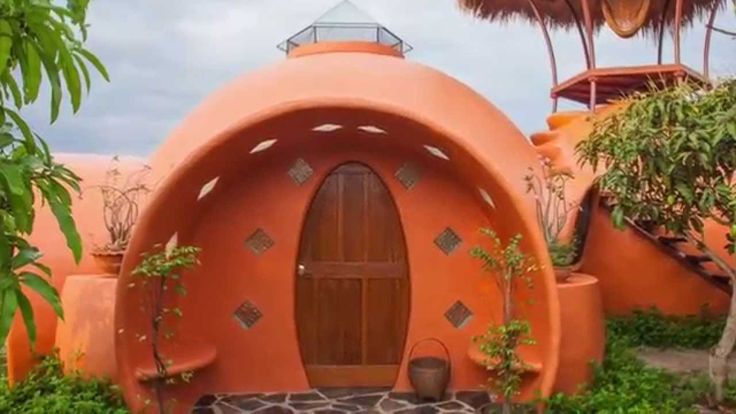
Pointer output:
x,y
167,56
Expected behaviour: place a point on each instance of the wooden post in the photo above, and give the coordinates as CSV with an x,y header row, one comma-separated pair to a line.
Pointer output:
x,y
591,50
678,26
708,35
550,48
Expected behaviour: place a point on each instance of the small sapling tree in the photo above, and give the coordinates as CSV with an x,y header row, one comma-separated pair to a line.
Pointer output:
x,y
509,267
669,160
159,276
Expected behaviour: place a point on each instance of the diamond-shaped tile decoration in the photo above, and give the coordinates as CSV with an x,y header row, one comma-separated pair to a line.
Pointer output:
x,y
458,315
247,314
408,175
448,241
259,242
300,171
207,188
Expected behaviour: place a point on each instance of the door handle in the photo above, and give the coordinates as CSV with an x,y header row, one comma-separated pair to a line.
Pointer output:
x,y
301,270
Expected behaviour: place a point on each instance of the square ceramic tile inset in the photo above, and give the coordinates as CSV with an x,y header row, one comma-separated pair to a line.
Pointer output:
x,y
300,171
259,242
408,175
247,314
448,241
458,315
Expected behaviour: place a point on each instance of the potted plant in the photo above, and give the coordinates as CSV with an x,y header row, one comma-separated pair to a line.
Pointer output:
x,y
553,210
121,196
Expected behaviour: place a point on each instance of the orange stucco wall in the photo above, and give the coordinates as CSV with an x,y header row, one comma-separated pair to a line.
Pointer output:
x,y
271,348
583,332
635,274
85,338
254,191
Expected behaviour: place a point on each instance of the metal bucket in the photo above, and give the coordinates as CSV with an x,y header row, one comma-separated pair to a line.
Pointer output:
x,y
429,375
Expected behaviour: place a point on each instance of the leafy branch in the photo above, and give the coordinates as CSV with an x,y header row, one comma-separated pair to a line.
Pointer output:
x,y
38,40
499,344
669,159
158,274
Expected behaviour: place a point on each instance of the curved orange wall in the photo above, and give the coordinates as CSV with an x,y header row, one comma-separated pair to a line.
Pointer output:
x,y
635,274
259,187
583,332
85,338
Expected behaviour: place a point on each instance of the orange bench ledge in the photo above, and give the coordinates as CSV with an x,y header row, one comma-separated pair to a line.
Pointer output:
x,y
189,356
480,359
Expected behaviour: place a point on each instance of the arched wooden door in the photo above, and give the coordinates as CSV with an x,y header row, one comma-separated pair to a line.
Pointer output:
x,y
352,296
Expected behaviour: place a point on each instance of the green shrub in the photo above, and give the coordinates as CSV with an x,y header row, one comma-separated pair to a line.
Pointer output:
x,y
48,391
652,328
623,384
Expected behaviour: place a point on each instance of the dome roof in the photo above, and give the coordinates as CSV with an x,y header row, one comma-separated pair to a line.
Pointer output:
x,y
351,79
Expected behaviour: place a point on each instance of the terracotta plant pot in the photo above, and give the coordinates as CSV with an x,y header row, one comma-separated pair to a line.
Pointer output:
x,y
563,273
109,261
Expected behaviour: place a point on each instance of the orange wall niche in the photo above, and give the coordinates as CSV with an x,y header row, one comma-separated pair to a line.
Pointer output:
x,y
254,191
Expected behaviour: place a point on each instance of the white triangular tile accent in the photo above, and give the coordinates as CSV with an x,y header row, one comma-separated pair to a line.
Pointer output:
x,y
372,129
487,197
327,128
263,145
437,152
171,244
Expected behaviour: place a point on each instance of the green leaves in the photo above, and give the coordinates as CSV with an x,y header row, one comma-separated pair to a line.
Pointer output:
x,y
38,40
669,157
499,344
6,42
43,288
8,306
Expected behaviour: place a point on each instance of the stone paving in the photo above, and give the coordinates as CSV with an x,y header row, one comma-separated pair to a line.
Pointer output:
x,y
339,401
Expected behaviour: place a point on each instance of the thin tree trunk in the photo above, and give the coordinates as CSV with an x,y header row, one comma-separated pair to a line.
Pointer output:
x,y
508,315
718,360
719,354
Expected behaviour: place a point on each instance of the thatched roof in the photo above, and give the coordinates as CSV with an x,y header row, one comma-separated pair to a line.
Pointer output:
x,y
557,13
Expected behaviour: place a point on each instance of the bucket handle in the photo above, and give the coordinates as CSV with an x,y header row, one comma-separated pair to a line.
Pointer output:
x,y
431,339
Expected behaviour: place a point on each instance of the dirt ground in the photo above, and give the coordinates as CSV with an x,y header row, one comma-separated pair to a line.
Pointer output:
x,y
679,361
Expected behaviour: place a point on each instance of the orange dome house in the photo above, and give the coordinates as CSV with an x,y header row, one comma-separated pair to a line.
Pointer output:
x,y
335,196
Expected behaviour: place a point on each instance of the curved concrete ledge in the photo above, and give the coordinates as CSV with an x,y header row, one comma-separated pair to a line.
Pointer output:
x,y
185,356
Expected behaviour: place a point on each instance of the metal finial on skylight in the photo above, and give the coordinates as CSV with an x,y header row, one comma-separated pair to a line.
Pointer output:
x,y
345,22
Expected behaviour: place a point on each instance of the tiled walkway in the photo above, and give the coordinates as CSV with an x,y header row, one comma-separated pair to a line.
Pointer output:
x,y
339,401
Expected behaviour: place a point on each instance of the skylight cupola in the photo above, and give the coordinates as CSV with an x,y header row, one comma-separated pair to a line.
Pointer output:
x,y
345,23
